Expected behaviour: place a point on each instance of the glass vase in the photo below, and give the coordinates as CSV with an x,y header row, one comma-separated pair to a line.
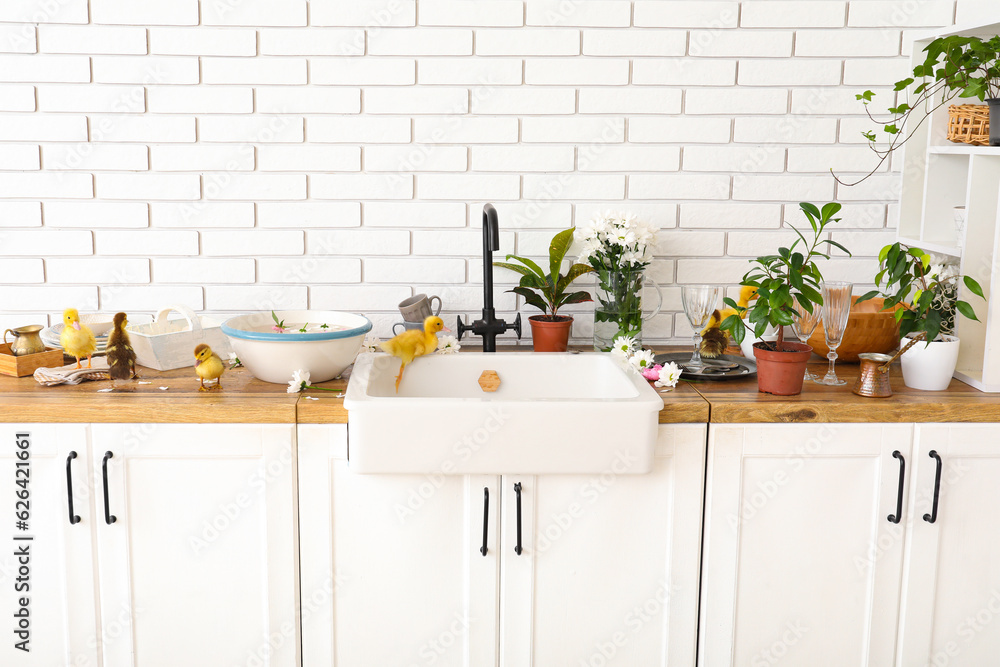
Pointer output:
x,y
618,307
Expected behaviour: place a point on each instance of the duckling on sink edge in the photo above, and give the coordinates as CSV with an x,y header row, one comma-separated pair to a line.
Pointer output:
x,y
414,343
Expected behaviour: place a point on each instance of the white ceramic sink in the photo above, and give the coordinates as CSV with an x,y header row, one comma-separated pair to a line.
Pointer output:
x,y
553,413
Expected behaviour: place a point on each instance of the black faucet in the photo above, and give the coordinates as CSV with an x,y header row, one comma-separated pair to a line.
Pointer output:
x,y
489,326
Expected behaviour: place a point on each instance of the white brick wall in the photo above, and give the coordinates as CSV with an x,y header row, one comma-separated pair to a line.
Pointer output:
x,y
334,154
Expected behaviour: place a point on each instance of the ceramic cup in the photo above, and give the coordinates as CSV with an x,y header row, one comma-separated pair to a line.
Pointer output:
x,y
399,327
418,308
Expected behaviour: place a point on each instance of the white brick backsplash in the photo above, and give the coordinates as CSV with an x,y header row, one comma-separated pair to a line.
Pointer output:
x,y
55,242
250,71
200,99
711,271
463,187
258,12
630,100
22,157
145,12
361,186
840,101
634,43
784,14
465,130
679,129
91,40
479,13
373,13
529,215
18,39
528,42
684,72
234,186
406,270
313,42
576,129
839,158
90,215
147,242
149,186
840,43
880,187
414,214
730,216
524,101
678,186
892,13
523,158
91,157
308,99
357,298
661,214
630,158
686,14
297,215
570,186
334,129
875,71
123,298
691,244
22,271
202,42
358,242
356,72
89,99
180,157
597,13
782,187
44,185
252,242
757,243
144,128
310,270
33,11
484,72
202,271
201,215
20,214
117,271
43,127
309,158
759,43
44,68
53,298
145,69
416,100
416,158
582,72
422,42
17,98
789,129
791,72
255,129
734,158
257,297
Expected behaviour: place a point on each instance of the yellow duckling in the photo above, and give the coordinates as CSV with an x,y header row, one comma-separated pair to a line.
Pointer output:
x,y
414,343
714,340
76,338
208,367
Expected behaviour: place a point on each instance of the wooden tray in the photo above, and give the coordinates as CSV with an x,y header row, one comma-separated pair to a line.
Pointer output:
x,y
26,364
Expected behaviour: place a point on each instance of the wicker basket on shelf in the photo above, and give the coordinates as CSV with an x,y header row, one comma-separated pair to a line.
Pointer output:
x,y
969,124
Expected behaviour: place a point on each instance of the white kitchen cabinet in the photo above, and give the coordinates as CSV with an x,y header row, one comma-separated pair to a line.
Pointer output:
x,y
392,569
58,571
801,564
608,568
196,541
951,599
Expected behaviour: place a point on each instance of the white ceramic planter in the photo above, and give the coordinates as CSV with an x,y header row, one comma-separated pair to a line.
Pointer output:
x,y
770,334
930,367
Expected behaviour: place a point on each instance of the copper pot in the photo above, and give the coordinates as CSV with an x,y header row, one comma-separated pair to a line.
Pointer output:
x,y
873,382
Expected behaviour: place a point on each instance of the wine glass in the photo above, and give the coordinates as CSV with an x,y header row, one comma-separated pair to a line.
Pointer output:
x,y
804,324
699,304
836,309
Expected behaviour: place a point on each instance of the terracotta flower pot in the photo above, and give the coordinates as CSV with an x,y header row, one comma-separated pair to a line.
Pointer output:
x,y
548,334
781,373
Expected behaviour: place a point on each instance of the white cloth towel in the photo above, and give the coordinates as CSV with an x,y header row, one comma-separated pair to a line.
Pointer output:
x,y
71,374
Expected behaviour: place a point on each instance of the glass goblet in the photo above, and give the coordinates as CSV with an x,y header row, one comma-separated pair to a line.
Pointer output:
x,y
804,324
699,304
836,310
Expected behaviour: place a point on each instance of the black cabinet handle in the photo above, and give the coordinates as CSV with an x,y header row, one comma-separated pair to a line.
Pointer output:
x,y
894,518
486,518
73,518
517,490
108,517
932,517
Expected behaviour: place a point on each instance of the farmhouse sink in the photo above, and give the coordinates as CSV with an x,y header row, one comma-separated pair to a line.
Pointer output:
x,y
551,413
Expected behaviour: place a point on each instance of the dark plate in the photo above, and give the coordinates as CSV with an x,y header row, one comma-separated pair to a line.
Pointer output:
x,y
725,367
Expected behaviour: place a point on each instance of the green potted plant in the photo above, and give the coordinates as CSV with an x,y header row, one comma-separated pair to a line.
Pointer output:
x,y
955,66
548,292
782,280
927,293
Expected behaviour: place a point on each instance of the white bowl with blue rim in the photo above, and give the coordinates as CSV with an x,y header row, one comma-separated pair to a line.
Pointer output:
x,y
323,342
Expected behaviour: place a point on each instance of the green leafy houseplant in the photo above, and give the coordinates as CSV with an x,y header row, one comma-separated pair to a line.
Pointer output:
x,y
548,291
905,277
785,278
955,66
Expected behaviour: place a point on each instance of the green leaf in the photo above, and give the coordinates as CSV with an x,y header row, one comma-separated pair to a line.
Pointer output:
x,y
901,85
734,325
577,297
866,296
932,325
830,210
883,253
574,272
973,287
558,248
531,298
530,267
837,245
964,308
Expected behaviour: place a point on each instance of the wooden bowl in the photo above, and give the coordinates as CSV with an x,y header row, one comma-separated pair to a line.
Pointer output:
x,y
869,329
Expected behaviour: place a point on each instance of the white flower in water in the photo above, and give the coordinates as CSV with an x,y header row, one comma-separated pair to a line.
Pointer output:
x,y
448,345
669,375
371,343
299,381
642,360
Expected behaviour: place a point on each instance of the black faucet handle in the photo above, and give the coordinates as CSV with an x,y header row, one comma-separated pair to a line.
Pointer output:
x,y
516,326
461,328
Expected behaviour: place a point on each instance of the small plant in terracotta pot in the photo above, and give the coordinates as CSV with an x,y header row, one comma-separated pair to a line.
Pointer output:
x,y
781,280
549,292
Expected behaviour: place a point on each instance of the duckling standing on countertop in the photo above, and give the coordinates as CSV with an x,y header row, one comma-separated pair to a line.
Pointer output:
x,y
76,338
208,367
414,343
121,356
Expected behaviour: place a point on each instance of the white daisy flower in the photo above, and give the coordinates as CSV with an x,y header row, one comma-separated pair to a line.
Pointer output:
x,y
299,381
642,360
669,375
371,343
448,345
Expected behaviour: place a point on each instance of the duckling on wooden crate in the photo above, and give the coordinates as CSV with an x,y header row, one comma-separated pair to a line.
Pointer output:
x,y
208,366
121,356
76,338
414,343
715,341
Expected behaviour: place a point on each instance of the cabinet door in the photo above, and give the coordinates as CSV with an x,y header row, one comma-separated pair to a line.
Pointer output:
x,y
198,567
51,562
392,572
951,604
800,561
608,572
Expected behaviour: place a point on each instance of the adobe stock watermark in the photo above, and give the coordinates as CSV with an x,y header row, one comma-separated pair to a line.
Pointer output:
x,y
778,649
635,620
